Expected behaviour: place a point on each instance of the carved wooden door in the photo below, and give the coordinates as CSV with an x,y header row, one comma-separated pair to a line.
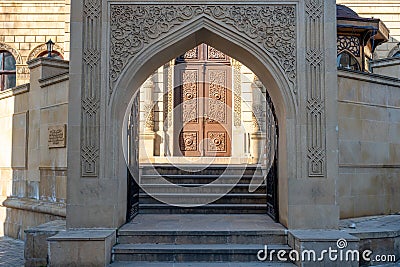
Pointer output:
x,y
203,101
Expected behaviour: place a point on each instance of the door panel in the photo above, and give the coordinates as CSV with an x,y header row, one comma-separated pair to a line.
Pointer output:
x,y
203,101
218,113
188,110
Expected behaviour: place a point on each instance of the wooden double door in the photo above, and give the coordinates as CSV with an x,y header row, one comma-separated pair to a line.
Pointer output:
x,y
203,103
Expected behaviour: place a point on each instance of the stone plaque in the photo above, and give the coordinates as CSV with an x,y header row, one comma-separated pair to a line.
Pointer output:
x,y
57,136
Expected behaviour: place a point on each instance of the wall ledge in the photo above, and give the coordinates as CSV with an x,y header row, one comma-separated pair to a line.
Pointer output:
x,y
385,62
54,79
50,62
34,205
24,88
369,77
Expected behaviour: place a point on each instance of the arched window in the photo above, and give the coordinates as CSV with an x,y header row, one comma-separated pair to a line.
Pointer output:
x,y
7,70
346,61
397,54
54,54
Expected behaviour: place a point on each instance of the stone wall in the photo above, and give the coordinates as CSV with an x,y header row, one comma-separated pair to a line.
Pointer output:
x,y
369,144
386,10
387,66
33,175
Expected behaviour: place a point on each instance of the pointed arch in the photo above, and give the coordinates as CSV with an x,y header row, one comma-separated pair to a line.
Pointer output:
x,y
177,42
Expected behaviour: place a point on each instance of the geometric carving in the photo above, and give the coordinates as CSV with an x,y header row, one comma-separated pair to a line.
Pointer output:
x,y
314,9
315,84
91,71
348,43
91,57
188,141
314,57
134,27
189,96
217,96
216,141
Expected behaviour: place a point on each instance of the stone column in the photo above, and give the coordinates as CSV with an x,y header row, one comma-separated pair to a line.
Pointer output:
x,y
258,135
147,134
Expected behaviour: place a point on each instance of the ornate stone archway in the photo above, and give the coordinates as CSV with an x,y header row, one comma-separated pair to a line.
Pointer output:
x,y
125,43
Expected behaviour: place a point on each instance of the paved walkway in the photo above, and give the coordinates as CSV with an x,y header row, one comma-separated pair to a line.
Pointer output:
x,y
11,252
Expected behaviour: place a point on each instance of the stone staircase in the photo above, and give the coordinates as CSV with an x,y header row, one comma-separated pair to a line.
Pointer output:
x,y
196,185
197,240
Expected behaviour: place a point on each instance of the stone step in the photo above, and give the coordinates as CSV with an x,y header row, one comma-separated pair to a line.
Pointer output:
x,y
211,188
199,179
132,236
201,169
191,252
200,198
207,209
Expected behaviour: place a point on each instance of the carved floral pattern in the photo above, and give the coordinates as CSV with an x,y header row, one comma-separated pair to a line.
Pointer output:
x,y
237,100
133,27
216,141
215,54
217,96
349,43
191,54
189,96
188,141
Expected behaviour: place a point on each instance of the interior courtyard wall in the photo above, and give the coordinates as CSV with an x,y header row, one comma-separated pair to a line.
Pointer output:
x,y
386,10
369,145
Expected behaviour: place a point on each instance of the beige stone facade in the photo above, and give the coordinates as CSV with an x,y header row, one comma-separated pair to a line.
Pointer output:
x,y
63,128
27,25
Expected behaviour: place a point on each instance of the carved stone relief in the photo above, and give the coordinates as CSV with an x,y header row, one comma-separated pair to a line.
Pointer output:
x,y
90,130
315,84
13,51
133,27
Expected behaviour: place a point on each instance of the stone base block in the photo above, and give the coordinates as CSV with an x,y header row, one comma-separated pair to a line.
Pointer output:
x,y
36,242
324,248
81,248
